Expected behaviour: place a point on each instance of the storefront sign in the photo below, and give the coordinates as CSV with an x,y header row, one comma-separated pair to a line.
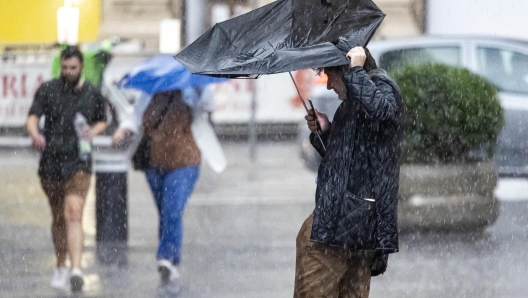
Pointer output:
x,y
18,84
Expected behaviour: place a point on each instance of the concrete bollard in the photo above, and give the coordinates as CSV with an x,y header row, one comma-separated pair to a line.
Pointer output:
x,y
111,167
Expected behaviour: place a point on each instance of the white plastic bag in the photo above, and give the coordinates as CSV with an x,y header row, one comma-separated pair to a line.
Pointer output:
x,y
208,143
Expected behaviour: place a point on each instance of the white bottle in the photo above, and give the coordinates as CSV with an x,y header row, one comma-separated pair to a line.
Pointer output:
x,y
85,145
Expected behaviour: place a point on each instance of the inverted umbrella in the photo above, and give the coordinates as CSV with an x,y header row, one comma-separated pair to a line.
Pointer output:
x,y
163,73
284,36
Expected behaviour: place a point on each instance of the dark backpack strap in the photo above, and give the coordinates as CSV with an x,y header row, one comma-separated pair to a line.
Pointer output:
x,y
163,113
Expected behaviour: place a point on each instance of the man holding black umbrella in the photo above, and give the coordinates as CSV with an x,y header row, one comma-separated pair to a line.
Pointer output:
x,y
353,228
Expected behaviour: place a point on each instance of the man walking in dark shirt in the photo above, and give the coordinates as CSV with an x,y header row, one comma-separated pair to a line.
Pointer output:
x,y
65,167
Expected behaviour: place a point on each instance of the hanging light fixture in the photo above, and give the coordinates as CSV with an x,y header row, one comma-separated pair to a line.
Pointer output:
x,y
68,24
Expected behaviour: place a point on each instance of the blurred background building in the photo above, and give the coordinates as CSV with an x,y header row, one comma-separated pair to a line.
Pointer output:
x,y
140,19
134,30
151,22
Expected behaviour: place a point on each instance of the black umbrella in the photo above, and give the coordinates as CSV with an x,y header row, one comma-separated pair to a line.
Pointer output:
x,y
283,36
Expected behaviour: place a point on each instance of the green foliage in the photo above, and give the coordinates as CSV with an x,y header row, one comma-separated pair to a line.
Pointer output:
x,y
447,112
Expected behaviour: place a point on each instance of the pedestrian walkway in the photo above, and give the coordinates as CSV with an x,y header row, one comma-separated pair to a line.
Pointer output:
x,y
239,236
239,240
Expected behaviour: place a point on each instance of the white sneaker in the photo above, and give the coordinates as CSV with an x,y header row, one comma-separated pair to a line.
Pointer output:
x,y
60,278
76,280
168,272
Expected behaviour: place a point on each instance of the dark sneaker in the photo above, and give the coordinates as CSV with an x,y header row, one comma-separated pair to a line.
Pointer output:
x,y
168,272
76,280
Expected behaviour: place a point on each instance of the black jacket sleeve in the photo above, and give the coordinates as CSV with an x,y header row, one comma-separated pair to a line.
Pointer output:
x,y
39,102
378,102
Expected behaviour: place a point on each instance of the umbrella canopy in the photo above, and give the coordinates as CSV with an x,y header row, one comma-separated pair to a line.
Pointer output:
x,y
163,73
286,35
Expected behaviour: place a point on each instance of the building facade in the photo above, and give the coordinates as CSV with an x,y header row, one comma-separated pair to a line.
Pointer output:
x,y
140,19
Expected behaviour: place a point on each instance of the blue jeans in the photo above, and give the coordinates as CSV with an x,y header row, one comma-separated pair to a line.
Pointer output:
x,y
171,189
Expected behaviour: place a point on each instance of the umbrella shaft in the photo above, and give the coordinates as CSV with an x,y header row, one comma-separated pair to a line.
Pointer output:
x,y
321,140
298,92
319,130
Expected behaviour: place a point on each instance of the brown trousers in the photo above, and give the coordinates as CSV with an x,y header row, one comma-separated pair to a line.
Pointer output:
x,y
331,272
56,191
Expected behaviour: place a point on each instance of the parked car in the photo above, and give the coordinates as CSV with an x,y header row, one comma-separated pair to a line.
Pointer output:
x,y
503,62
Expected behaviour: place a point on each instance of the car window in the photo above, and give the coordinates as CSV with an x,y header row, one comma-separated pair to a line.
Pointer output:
x,y
506,69
449,55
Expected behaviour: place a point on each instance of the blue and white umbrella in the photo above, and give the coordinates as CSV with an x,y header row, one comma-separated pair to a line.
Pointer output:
x,y
163,73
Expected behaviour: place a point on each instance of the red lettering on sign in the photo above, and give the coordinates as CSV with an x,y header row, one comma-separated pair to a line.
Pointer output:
x,y
9,85
236,86
39,82
23,87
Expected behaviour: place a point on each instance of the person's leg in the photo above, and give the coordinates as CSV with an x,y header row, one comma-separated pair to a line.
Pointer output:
x,y
318,269
54,190
156,180
75,194
356,281
178,187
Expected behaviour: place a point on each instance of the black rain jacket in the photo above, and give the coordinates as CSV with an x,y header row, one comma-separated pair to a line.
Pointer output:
x,y
361,162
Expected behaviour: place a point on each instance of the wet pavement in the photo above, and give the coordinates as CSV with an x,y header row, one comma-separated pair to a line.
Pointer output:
x,y
239,241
